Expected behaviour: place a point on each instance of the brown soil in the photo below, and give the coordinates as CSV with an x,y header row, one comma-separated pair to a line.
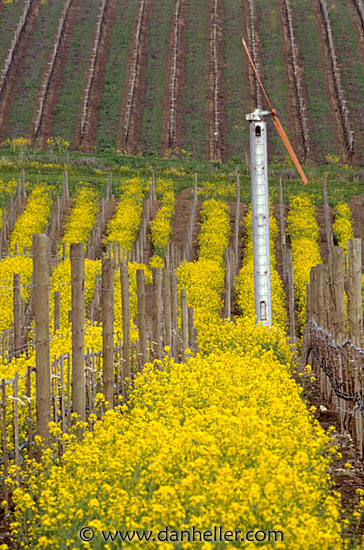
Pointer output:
x,y
57,77
345,481
174,142
337,128
129,142
12,85
357,213
292,97
357,120
181,221
98,81
252,99
215,151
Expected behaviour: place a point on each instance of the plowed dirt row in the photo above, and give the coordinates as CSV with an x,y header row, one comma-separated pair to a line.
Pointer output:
x,y
296,130
10,92
172,140
252,98
98,82
215,144
329,81
129,130
56,81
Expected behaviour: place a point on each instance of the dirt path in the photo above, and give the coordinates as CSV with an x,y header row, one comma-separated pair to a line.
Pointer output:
x,y
135,81
297,130
215,89
12,84
347,480
88,141
252,39
173,109
358,119
181,221
337,127
56,80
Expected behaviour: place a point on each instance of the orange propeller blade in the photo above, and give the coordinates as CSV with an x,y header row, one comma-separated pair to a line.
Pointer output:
x,y
277,123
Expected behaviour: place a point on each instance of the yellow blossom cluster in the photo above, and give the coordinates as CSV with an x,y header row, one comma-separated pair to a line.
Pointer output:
x,y
125,223
213,237
204,279
58,143
219,188
343,231
342,226
8,267
17,143
303,231
8,187
82,218
245,279
161,226
34,219
198,446
118,326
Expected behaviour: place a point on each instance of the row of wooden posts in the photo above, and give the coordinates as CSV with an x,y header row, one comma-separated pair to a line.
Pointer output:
x,y
335,342
158,336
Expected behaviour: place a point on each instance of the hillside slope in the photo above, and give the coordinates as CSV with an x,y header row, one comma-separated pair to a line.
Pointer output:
x,y
151,76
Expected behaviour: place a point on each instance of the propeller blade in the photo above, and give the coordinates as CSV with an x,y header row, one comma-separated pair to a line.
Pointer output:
x,y
289,147
277,123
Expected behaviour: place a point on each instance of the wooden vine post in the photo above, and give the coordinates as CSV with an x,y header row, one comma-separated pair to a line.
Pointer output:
x,y
78,331
157,296
40,250
167,308
57,310
237,222
336,268
141,316
355,306
124,279
108,330
17,315
328,227
282,231
184,322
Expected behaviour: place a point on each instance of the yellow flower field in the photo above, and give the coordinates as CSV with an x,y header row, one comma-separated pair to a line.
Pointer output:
x,y
161,226
204,278
34,219
199,447
342,226
303,231
125,223
82,218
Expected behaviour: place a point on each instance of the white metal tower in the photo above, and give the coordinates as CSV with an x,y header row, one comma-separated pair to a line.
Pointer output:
x,y
260,215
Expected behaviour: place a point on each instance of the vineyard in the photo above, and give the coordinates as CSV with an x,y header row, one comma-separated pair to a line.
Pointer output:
x,y
136,390
155,77
140,402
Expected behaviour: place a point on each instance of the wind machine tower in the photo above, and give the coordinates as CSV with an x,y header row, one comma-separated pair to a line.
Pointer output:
x,y
260,200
